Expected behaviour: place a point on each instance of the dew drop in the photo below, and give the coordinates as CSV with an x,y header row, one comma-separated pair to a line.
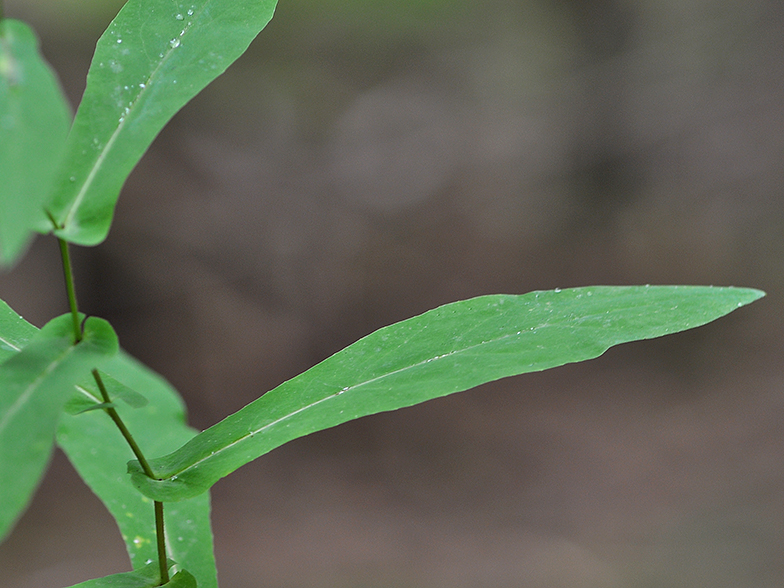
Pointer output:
x,y
190,12
557,290
142,86
119,41
179,17
174,43
72,178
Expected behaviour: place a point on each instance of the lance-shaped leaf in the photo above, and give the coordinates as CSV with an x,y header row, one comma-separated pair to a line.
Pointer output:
x,y
99,453
34,121
146,577
153,58
34,385
446,350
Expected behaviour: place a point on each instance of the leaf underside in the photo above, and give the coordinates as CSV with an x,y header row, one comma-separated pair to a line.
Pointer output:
x,y
448,349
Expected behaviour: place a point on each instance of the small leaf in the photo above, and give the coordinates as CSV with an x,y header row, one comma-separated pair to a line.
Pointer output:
x,y
155,56
98,452
34,121
15,332
146,577
79,405
116,389
449,349
34,385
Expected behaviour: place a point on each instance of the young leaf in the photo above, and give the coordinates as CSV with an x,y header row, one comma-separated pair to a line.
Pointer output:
x,y
34,385
98,452
446,350
155,56
15,332
146,577
118,390
34,121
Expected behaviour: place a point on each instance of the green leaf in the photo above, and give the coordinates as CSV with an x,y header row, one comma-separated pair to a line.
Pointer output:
x,y
155,56
34,385
449,349
98,452
146,577
80,405
15,332
34,121
118,390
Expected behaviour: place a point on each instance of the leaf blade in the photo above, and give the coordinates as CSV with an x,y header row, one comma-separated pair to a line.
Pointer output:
x,y
153,58
448,349
34,122
35,383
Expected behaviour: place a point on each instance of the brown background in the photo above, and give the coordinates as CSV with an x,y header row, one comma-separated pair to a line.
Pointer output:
x,y
364,162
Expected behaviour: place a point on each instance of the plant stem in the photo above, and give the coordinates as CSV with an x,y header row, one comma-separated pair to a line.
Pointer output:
x,y
159,528
161,537
121,425
113,414
69,287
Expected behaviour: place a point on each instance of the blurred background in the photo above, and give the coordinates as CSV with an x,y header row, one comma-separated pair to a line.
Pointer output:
x,y
364,162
